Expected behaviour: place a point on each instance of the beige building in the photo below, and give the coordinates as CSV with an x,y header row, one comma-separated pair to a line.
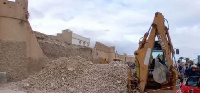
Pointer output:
x,y
101,51
72,38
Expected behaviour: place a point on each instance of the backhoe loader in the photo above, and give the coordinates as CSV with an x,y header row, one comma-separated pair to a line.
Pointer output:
x,y
155,59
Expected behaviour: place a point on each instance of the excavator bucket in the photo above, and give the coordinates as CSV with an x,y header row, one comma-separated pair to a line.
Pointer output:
x,y
160,72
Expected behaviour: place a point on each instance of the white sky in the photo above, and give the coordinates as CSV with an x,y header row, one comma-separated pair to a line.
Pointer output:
x,y
119,22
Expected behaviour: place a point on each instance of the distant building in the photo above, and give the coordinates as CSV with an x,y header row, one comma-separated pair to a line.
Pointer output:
x,y
101,51
80,40
72,38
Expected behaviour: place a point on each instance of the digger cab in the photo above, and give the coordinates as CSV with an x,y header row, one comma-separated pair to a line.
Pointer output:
x,y
157,59
157,53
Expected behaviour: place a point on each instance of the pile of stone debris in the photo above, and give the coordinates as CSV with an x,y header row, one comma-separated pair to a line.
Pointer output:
x,y
14,61
76,75
54,48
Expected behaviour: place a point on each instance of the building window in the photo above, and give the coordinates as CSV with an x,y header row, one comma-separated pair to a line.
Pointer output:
x,y
88,43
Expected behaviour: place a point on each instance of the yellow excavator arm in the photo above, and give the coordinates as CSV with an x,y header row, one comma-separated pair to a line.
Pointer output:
x,y
144,53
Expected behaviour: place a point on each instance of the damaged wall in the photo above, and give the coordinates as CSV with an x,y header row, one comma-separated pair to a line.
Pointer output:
x,y
18,45
14,26
101,51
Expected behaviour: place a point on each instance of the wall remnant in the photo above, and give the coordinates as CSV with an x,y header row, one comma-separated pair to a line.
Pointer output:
x,y
101,51
18,44
14,26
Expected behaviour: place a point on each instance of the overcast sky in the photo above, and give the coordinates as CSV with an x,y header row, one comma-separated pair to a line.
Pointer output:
x,y
119,23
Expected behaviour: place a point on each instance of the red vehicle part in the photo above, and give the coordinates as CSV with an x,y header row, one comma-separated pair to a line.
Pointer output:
x,y
190,86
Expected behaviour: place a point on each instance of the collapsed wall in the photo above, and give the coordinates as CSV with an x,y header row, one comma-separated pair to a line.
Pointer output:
x,y
53,48
19,46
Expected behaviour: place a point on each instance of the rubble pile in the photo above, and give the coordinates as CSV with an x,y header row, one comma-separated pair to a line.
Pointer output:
x,y
47,38
13,59
77,75
104,78
58,73
54,48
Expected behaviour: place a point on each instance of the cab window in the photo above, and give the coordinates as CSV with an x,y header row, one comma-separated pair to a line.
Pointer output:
x,y
192,81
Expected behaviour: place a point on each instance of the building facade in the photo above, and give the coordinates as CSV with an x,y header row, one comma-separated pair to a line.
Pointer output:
x,y
73,38
80,40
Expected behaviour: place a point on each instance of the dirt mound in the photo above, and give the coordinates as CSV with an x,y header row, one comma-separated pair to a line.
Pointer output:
x,y
77,75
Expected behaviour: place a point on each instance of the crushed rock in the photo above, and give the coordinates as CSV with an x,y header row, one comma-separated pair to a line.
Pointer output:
x,y
13,59
104,78
76,75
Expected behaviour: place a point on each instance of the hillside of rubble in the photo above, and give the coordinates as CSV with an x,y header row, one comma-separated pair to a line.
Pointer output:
x,y
54,48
